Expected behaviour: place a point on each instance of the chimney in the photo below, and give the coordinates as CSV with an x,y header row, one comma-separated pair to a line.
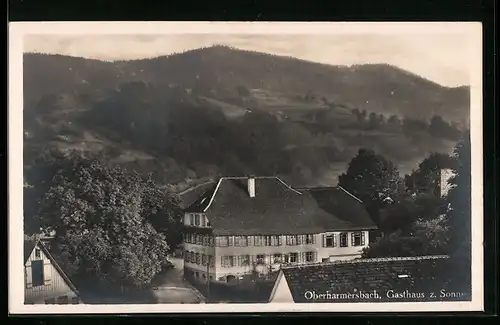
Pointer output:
x,y
251,186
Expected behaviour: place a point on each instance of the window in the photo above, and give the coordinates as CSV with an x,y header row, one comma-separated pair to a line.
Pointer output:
x,y
37,253
277,258
37,273
330,240
309,239
191,220
206,241
358,238
294,257
292,240
261,259
211,240
241,241
310,257
198,258
204,259
270,240
343,239
197,220
227,261
258,240
223,241
244,260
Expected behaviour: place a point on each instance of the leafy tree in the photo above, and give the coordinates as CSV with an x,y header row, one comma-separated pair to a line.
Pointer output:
x,y
427,176
394,120
373,120
459,196
101,218
440,128
403,214
371,177
425,237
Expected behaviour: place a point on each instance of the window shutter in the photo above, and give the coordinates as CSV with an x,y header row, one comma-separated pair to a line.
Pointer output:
x,y
334,236
47,272
230,240
352,239
300,239
29,278
315,256
323,240
363,238
313,239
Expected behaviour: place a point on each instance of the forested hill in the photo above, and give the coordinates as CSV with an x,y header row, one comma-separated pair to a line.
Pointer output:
x,y
219,110
379,88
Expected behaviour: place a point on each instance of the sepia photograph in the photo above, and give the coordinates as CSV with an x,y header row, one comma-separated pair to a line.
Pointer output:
x,y
219,167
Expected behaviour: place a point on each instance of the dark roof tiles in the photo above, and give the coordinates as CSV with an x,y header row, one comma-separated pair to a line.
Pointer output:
x,y
278,209
418,274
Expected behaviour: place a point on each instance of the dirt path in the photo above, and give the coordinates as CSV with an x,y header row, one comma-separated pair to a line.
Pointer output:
x,y
170,287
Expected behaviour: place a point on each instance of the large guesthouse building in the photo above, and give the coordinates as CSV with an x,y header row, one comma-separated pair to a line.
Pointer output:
x,y
241,225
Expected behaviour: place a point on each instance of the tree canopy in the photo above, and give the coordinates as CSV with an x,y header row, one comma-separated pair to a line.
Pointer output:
x,y
371,177
101,218
426,177
424,223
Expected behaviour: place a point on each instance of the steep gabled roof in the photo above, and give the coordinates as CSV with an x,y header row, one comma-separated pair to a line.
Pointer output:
x,y
343,205
423,274
29,246
189,196
276,208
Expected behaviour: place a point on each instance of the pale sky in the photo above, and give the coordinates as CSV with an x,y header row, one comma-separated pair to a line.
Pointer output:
x,y
442,58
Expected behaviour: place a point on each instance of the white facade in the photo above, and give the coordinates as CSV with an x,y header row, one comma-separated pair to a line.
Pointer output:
x,y
235,256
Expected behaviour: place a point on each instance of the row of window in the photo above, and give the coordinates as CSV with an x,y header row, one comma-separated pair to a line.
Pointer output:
x,y
198,258
357,239
198,220
243,241
198,239
263,259
332,240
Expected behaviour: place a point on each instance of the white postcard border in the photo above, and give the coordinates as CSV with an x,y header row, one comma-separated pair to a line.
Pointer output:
x,y
18,30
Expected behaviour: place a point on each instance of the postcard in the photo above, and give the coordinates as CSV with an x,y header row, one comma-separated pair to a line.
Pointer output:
x,y
245,167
